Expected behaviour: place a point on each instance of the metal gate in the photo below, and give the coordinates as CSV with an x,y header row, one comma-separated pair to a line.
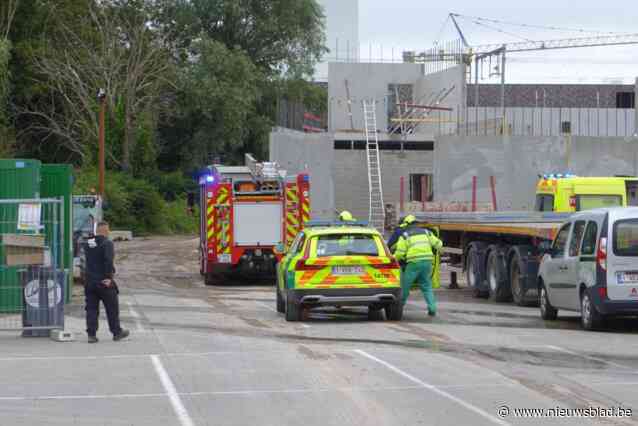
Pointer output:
x,y
32,276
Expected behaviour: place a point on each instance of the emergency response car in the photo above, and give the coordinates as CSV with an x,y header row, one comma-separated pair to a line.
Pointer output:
x,y
338,264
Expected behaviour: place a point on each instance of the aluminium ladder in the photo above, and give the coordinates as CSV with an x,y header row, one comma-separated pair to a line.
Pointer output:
x,y
377,209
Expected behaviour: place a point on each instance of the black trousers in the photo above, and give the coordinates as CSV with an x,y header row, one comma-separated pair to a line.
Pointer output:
x,y
94,293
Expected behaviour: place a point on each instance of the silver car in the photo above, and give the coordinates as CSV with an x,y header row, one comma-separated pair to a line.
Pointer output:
x,y
592,267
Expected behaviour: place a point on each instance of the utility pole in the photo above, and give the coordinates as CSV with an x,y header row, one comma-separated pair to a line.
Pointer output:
x,y
101,97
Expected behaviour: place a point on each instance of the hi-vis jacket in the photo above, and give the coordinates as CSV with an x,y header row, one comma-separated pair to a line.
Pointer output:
x,y
416,244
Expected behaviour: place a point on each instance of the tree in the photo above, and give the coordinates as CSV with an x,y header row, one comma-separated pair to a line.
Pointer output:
x,y
116,51
217,98
7,14
282,38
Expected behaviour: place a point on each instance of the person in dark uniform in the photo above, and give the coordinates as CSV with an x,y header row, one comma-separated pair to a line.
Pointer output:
x,y
100,286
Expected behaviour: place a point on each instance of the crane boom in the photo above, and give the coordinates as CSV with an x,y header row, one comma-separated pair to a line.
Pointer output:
x,y
564,43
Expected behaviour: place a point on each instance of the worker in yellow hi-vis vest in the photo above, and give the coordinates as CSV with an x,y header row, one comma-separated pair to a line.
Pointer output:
x,y
415,247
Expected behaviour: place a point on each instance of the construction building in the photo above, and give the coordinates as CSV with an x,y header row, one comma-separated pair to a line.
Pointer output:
x,y
438,148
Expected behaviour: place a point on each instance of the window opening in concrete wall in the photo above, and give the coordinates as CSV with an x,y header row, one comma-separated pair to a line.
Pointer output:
x,y
418,146
417,190
566,127
385,145
343,145
625,100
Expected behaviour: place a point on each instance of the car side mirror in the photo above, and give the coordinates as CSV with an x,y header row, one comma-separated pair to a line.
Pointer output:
x,y
280,249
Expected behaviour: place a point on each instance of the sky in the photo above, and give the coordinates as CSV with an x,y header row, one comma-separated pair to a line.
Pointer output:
x,y
387,27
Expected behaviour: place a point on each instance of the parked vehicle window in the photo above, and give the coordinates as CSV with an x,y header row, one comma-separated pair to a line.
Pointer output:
x,y
589,240
626,238
544,203
577,236
347,245
560,242
588,202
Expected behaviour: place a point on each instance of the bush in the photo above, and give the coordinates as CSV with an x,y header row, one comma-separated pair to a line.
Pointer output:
x,y
172,185
180,220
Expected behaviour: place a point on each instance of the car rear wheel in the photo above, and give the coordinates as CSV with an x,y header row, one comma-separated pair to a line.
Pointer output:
x,y
281,304
375,313
590,318
293,310
548,312
394,311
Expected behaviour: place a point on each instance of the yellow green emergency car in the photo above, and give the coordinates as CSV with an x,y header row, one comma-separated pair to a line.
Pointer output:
x,y
338,264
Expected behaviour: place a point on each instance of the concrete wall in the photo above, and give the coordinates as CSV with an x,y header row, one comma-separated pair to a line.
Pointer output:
x,y
366,81
339,178
516,162
351,177
312,153
599,122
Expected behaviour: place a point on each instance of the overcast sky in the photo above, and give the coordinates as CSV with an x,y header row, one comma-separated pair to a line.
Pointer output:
x,y
415,24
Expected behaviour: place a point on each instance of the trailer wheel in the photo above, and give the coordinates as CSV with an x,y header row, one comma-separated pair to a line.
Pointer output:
x,y
516,281
497,279
473,271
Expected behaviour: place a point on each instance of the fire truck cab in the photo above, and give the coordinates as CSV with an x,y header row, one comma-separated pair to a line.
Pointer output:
x,y
246,212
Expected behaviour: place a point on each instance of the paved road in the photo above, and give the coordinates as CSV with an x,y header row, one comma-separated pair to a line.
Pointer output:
x,y
223,356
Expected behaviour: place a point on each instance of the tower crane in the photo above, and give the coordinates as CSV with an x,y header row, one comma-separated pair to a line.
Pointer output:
x,y
480,52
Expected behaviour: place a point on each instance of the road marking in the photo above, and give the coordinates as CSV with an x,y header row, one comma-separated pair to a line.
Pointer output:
x,y
240,392
434,389
592,358
171,391
63,397
136,316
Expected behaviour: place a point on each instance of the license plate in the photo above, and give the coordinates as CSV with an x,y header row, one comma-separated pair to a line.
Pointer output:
x,y
347,270
224,258
627,277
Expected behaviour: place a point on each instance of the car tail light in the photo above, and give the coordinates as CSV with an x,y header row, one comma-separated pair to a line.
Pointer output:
x,y
602,292
303,266
392,265
572,202
601,256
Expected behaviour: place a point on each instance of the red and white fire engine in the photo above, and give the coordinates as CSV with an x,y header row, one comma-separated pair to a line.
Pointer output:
x,y
246,213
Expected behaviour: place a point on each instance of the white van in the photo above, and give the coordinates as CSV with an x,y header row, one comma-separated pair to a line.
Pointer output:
x,y
592,267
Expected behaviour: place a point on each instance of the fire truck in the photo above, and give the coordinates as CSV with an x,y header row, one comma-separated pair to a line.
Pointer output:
x,y
248,213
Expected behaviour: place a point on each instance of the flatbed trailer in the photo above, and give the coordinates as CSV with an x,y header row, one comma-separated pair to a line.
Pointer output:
x,y
499,251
